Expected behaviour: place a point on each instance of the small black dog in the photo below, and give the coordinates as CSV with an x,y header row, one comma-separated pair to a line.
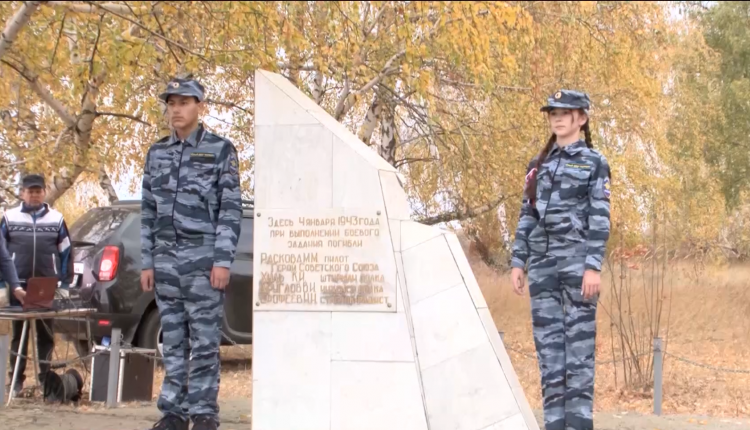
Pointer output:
x,y
67,388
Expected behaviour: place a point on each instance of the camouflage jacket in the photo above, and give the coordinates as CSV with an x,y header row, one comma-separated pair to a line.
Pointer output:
x,y
191,195
570,214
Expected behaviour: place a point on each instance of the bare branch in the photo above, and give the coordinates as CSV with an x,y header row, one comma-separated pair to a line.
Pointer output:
x,y
404,161
375,20
170,41
33,80
227,104
460,215
387,69
15,163
280,65
346,101
57,43
59,138
123,115
340,106
364,16
468,85
16,23
8,188
82,8
161,28
96,45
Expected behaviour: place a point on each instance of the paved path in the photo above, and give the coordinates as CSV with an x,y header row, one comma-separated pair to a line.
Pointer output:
x,y
235,416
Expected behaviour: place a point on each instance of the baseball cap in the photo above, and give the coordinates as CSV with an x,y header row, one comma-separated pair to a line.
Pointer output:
x,y
33,180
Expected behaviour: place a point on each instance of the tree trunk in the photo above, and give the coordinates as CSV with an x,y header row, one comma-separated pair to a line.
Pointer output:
x,y
387,148
502,219
317,89
65,179
106,183
370,121
16,23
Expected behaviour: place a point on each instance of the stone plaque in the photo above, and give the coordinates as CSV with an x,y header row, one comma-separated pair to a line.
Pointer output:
x,y
323,260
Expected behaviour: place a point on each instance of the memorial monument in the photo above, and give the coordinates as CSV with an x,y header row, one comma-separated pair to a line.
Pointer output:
x,y
362,318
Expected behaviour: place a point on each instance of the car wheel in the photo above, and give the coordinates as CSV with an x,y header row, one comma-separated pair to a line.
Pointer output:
x,y
149,336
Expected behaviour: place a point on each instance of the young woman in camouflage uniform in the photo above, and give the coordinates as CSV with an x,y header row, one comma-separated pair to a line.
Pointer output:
x,y
561,240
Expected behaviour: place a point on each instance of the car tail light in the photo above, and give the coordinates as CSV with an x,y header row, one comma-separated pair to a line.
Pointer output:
x,y
109,263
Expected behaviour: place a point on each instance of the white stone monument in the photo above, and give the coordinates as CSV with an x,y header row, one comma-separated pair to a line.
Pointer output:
x,y
362,318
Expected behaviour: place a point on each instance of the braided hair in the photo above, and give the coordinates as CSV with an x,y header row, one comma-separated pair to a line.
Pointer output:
x,y
531,189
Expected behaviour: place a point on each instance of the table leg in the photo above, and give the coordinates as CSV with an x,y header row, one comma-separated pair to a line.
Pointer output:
x,y
24,332
4,355
90,340
35,350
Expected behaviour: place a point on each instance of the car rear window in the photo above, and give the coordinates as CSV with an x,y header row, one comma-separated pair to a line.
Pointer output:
x,y
97,224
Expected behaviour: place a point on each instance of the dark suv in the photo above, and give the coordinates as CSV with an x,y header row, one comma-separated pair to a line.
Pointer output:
x,y
107,261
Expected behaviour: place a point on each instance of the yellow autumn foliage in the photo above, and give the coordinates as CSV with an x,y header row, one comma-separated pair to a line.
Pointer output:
x,y
449,92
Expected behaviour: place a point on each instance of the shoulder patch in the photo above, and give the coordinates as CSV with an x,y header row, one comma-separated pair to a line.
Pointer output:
x,y
606,187
214,137
233,163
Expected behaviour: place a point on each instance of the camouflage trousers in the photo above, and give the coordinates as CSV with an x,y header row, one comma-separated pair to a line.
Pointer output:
x,y
564,326
191,315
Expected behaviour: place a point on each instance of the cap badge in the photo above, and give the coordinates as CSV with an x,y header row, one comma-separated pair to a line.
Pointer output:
x,y
558,95
175,85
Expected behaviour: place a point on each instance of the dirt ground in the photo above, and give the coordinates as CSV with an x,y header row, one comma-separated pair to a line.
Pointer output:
x,y
235,415
709,329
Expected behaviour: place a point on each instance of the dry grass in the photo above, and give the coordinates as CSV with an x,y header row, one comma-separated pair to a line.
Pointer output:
x,y
236,372
709,323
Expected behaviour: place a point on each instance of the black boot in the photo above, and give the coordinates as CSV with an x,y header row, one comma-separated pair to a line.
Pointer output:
x,y
204,422
19,384
171,422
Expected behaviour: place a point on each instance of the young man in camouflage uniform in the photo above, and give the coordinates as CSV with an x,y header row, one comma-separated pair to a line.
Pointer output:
x,y
191,212
562,235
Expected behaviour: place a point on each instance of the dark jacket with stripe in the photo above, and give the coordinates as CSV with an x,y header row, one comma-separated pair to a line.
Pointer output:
x,y
7,268
38,242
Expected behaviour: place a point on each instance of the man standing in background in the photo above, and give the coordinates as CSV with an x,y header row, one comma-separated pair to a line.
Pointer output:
x,y
9,278
190,222
8,274
37,240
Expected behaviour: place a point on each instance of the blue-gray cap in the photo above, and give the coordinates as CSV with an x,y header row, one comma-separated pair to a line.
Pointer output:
x,y
183,87
568,99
